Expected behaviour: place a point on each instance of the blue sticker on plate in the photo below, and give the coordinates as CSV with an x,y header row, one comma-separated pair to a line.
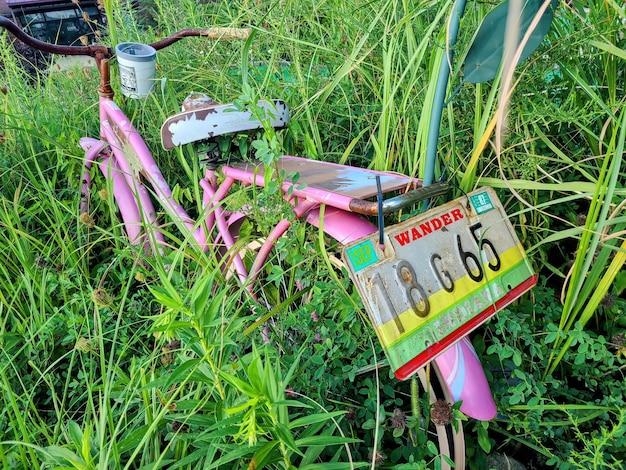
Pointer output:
x,y
481,202
362,255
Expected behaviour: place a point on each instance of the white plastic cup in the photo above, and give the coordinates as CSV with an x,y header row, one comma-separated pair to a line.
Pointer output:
x,y
137,64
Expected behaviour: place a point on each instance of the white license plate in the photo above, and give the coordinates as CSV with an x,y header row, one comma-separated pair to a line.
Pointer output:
x,y
438,276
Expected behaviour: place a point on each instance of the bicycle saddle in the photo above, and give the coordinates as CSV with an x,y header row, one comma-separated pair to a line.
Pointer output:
x,y
204,119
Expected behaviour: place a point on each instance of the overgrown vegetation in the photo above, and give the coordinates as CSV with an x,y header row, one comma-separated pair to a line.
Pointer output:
x,y
109,358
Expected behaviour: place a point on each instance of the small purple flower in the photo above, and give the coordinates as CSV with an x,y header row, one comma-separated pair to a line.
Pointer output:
x,y
314,316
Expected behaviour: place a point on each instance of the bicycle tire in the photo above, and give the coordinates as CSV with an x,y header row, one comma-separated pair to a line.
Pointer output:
x,y
450,437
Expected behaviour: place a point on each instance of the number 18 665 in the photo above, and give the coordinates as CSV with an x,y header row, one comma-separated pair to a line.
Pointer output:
x,y
413,293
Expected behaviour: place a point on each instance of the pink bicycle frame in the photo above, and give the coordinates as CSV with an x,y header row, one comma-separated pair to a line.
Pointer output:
x,y
123,158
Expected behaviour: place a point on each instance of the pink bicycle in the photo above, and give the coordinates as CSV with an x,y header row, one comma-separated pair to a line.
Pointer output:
x,y
426,283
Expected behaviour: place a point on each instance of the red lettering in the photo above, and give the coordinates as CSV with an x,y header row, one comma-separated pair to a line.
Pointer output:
x,y
403,238
428,227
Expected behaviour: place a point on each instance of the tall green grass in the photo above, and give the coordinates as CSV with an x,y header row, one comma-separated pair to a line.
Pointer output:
x,y
111,359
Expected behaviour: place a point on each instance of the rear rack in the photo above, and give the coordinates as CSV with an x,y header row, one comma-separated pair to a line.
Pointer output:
x,y
341,186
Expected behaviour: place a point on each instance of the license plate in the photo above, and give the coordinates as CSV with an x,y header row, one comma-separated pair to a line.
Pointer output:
x,y
438,276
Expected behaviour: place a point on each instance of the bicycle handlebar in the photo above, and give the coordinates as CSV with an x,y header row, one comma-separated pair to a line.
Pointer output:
x,y
211,33
103,52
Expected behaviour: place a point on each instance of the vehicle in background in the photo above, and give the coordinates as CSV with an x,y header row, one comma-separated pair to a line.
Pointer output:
x,y
60,22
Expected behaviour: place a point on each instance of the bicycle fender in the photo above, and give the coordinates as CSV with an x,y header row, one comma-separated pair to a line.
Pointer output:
x,y
464,377
92,148
345,227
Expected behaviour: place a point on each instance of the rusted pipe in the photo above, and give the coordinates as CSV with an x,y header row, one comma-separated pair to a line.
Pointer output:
x,y
396,203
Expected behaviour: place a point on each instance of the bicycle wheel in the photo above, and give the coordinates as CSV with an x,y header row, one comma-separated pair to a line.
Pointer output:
x,y
449,434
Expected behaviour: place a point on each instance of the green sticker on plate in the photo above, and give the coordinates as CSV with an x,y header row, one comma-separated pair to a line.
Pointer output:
x,y
481,202
362,255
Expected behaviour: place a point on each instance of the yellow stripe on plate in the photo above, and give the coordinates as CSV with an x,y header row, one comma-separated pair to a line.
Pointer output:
x,y
443,300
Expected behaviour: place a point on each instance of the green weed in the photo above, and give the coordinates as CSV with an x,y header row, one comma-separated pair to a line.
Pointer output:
x,y
111,359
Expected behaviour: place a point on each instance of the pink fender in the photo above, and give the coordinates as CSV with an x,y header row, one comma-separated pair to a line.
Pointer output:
x,y
465,378
341,225
92,148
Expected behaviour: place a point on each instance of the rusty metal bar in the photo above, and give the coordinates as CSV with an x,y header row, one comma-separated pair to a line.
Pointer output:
x,y
396,203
